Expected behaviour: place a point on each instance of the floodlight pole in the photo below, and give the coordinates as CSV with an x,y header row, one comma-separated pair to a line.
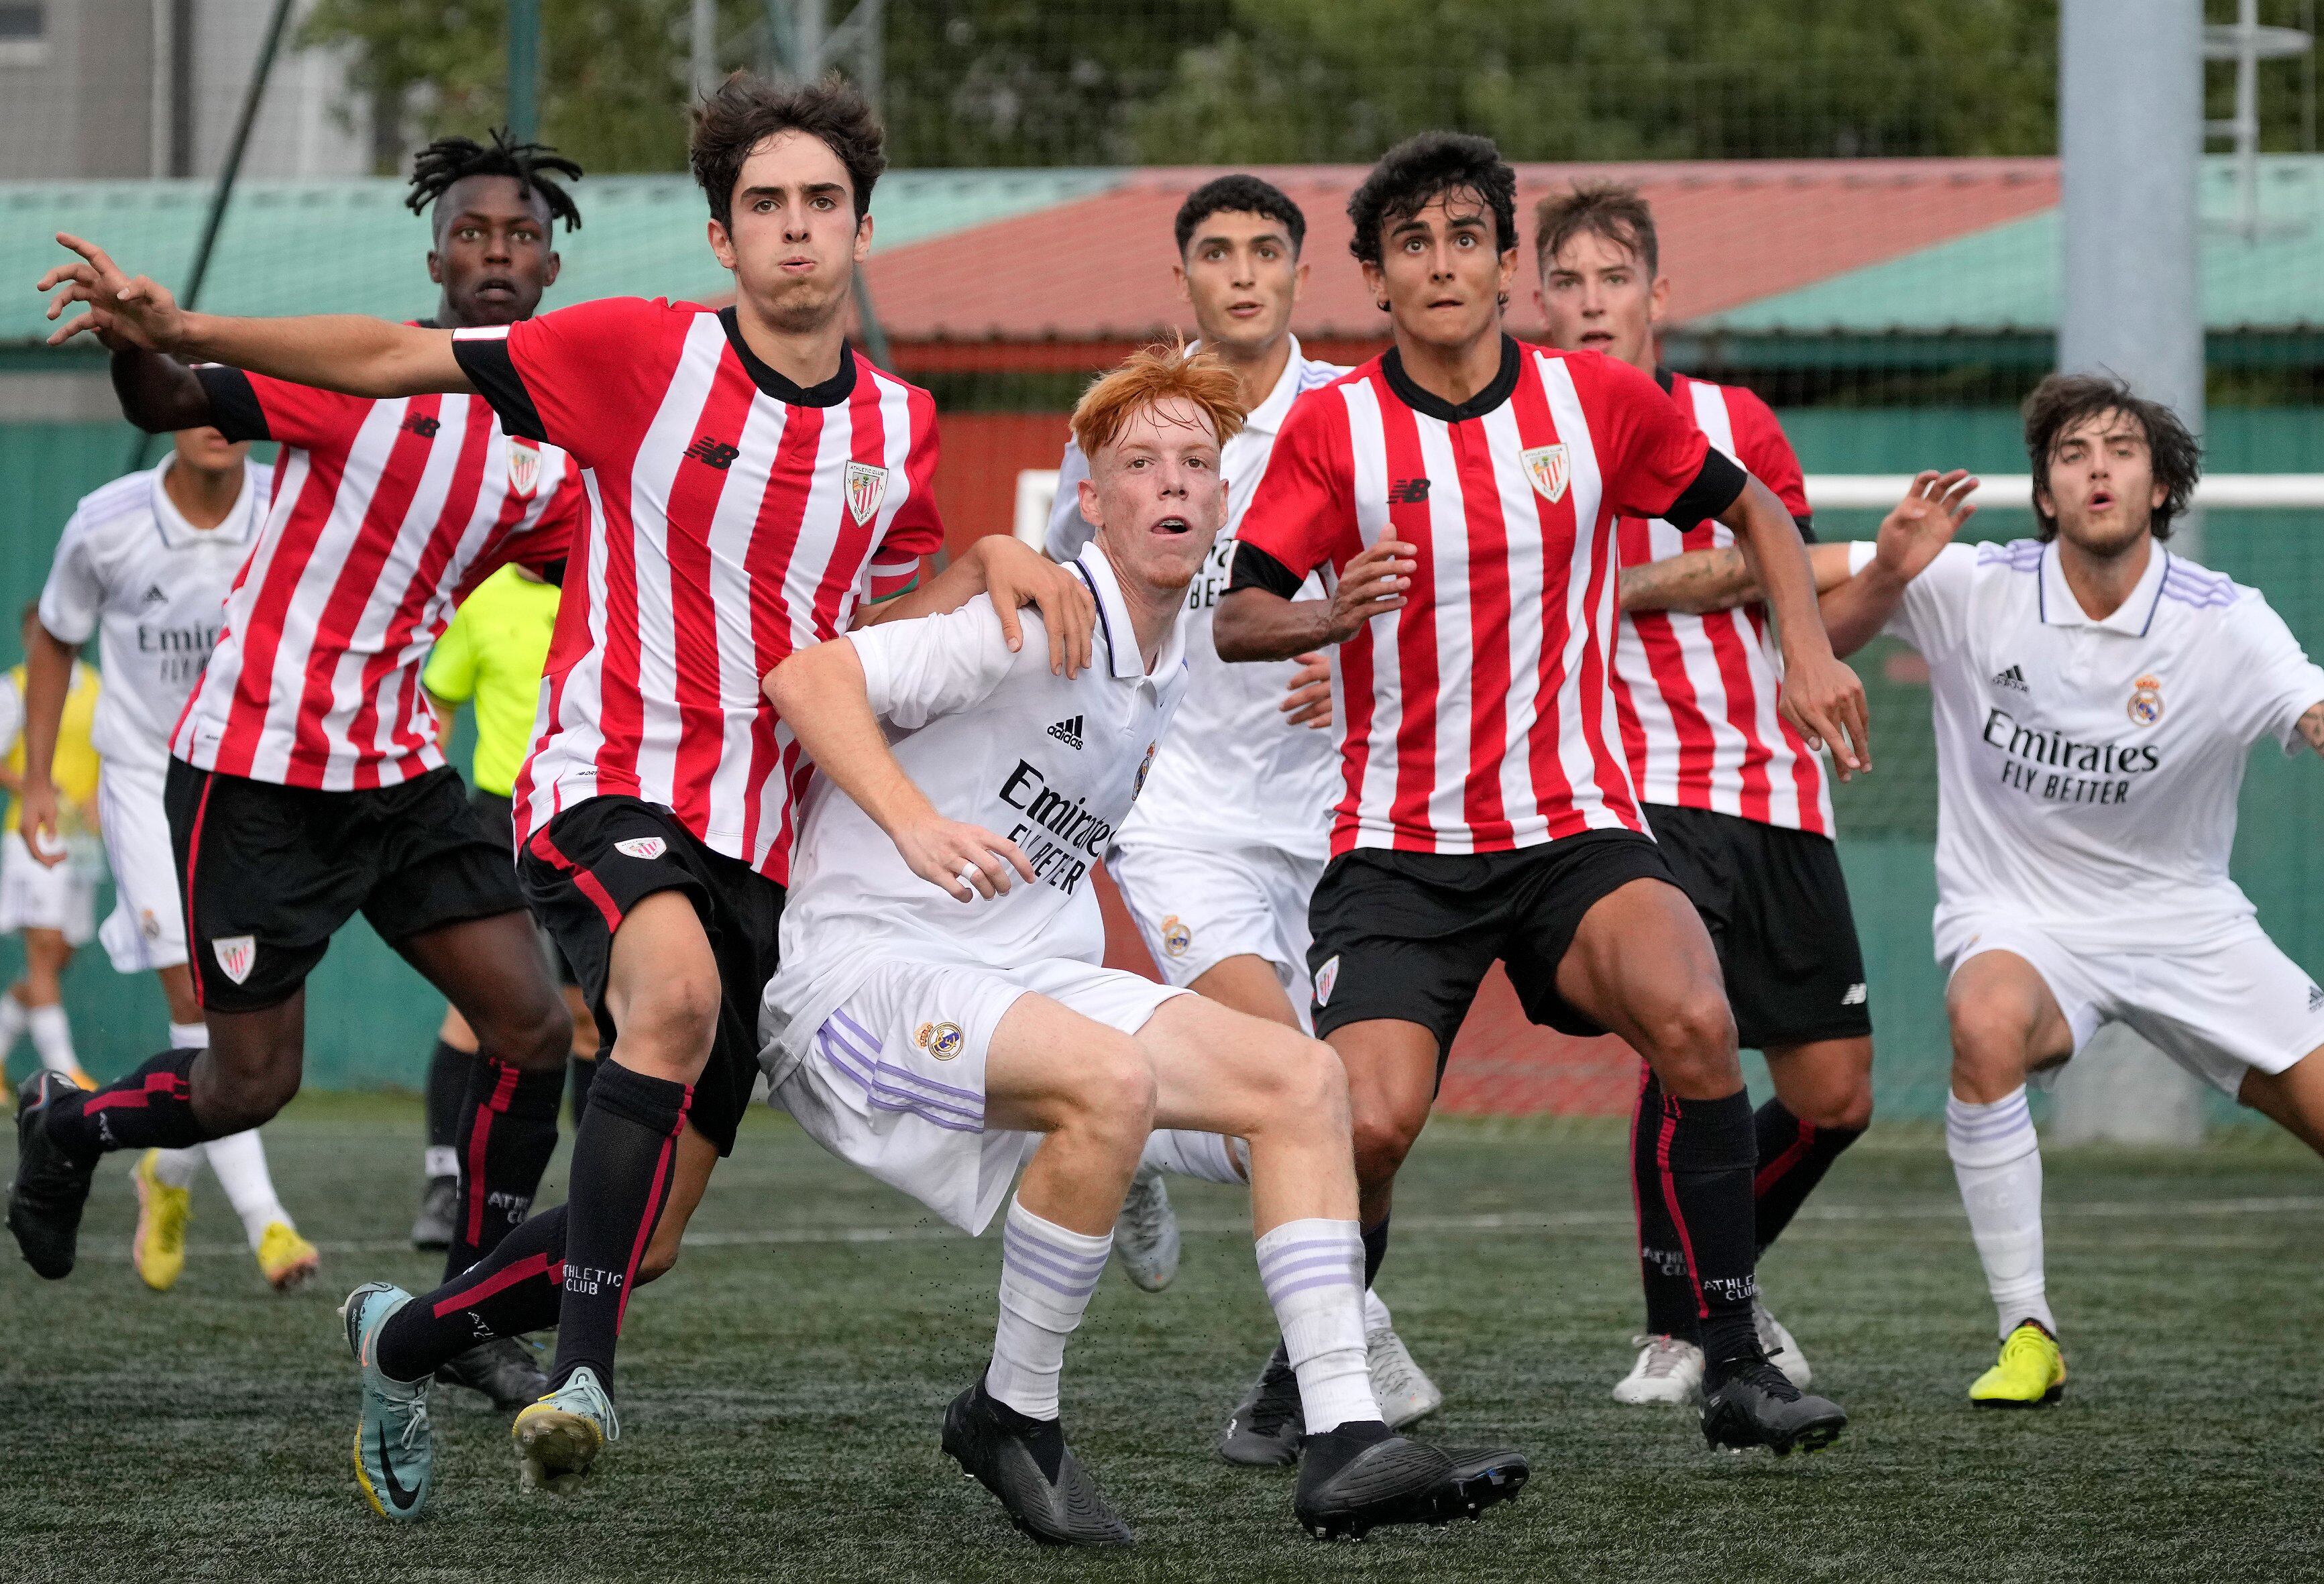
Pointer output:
x,y
2130,141
524,70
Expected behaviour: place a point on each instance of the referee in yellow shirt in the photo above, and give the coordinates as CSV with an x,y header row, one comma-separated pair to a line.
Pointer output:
x,y
490,658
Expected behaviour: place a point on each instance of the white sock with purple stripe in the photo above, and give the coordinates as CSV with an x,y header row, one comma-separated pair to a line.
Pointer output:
x,y
1313,1273
1997,1162
1209,1158
1046,1277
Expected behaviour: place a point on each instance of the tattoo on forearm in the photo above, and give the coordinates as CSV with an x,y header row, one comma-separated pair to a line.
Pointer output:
x,y
1698,581
2311,727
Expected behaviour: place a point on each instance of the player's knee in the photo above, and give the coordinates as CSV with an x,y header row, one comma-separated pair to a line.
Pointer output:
x,y
1694,1035
1990,1042
676,1017
660,1257
1114,1093
243,1099
1846,1108
1382,1139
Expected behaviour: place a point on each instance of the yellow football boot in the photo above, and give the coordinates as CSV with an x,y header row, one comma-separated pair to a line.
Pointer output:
x,y
159,1248
80,1076
284,1258
2031,1372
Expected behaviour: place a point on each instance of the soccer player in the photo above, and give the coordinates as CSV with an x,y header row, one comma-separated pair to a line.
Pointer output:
x,y
752,481
1464,490
2096,697
144,564
940,1049
48,902
305,782
1224,847
1737,801
491,656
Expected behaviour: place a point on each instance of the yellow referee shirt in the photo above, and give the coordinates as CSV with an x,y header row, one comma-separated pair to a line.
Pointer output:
x,y
75,766
492,654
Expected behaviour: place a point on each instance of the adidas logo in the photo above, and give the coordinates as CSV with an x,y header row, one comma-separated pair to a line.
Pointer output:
x,y
1068,732
2315,998
2013,678
155,595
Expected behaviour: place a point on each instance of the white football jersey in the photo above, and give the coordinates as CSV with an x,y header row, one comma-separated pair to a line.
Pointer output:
x,y
153,587
1235,769
2087,771
995,740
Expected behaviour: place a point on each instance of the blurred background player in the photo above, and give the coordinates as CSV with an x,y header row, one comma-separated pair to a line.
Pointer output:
x,y
1464,491
296,799
2095,698
491,656
1220,855
144,564
50,901
1737,801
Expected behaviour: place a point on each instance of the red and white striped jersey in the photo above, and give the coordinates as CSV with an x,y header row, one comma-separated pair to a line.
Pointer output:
x,y
735,517
1477,718
1697,693
383,515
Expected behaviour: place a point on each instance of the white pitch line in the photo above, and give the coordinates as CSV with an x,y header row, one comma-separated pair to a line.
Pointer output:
x,y
2100,1209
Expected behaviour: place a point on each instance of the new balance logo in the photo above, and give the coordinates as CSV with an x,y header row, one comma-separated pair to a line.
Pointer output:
x,y
1854,996
2012,677
1068,732
155,595
716,453
423,426
1408,492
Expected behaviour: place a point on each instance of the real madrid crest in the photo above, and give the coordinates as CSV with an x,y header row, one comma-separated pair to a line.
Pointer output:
x,y
1175,936
1144,765
940,1040
867,486
2146,701
1548,468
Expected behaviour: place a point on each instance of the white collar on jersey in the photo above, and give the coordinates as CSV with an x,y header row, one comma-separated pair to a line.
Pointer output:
x,y
2133,617
234,529
1120,638
1267,417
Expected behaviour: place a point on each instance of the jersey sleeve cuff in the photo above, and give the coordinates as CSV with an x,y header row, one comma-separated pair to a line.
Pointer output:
x,y
484,357
235,411
1859,554
1255,569
1713,491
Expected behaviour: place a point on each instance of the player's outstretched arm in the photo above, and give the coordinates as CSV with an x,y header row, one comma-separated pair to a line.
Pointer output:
x,y
1916,528
1821,697
823,696
48,679
158,393
1699,582
348,352
1017,576
1259,624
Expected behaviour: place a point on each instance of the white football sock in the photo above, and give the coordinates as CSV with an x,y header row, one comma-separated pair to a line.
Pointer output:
x,y
1313,1273
1211,1157
238,1161
1375,1312
52,1036
1046,1277
175,1168
1997,1161
12,1023
189,1037
440,1160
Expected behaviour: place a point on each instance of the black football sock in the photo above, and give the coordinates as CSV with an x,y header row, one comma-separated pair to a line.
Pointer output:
x,y
1662,1262
583,1071
448,1071
1374,1250
1793,1156
508,1131
623,1155
512,1290
1704,1152
151,1108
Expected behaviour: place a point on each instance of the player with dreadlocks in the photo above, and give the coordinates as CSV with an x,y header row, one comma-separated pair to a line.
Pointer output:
x,y
305,782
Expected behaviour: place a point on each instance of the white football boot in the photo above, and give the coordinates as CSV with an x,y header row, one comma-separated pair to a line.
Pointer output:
x,y
1668,1373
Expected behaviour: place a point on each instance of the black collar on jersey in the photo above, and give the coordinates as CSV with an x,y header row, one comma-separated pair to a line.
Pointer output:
x,y
1666,379
1504,384
830,393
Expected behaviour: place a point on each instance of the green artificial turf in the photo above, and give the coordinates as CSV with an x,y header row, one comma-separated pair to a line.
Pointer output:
x,y
781,1391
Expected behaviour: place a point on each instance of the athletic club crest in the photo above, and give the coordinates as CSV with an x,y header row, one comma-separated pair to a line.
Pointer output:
x,y
524,467
237,956
1548,468
2146,701
1325,978
642,846
867,486
1175,936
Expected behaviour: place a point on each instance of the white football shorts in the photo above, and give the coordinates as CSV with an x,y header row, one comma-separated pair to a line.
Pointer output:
x,y
2219,1008
146,929
33,896
1197,908
893,1079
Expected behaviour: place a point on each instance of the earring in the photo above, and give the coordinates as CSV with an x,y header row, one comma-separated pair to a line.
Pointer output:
x,y
1381,305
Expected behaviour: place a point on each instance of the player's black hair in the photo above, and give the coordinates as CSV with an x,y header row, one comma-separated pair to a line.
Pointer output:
x,y
747,110
1602,208
534,166
1424,168
2061,402
1239,195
